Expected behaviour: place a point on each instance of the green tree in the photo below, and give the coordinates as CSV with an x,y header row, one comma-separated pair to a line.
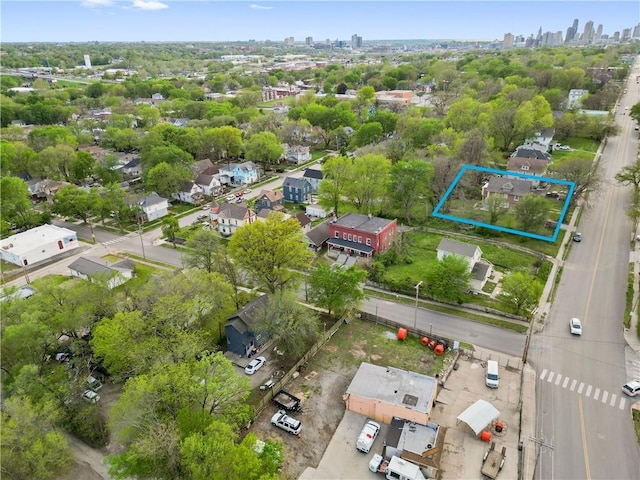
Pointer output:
x,y
16,204
295,326
263,148
167,179
531,212
223,143
81,167
520,293
53,162
336,173
170,155
369,182
271,251
337,290
495,207
409,186
72,201
630,175
50,136
578,168
170,228
448,279
202,246
367,133
31,446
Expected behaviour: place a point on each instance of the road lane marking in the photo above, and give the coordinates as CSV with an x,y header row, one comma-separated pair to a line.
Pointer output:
x,y
605,395
623,403
613,400
573,385
580,388
558,380
550,377
596,395
543,374
566,382
588,392
584,439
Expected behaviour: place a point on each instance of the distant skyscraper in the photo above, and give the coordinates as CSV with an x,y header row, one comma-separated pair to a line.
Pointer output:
x,y
636,31
626,34
356,41
588,34
616,37
308,40
599,32
508,40
87,61
289,41
571,33
575,25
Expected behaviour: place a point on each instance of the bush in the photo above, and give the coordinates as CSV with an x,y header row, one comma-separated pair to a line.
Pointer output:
x,y
89,425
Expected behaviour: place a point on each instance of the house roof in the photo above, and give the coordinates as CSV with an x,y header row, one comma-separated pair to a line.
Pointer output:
x,y
22,243
272,195
152,199
508,185
91,266
312,173
358,247
531,153
233,210
204,179
547,132
364,223
536,165
296,182
479,270
458,248
132,163
249,313
264,213
318,235
394,387
411,436
201,165
303,219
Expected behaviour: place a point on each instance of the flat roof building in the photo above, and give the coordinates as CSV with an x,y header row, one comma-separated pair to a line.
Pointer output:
x,y
38,244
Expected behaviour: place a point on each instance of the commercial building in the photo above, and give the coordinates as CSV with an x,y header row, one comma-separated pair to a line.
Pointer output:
x,y
38,244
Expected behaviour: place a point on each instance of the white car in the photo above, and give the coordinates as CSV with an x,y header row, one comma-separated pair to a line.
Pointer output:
x,y
246,191
632,388
255,365
367,436
286,423
90,396
575,327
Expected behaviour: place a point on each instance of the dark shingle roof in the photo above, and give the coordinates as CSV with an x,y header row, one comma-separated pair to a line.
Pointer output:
x,y
363,223
531,153
509,185
295,182
319,234
312,173
458,248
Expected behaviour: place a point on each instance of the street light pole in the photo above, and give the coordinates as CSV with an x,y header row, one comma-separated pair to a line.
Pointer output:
x,y
415,313
141,242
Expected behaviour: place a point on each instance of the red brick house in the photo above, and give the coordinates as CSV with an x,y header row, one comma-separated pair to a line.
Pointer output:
x,y
361,235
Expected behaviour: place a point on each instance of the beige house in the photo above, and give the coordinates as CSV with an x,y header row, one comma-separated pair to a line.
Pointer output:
x,y
480,269
382,393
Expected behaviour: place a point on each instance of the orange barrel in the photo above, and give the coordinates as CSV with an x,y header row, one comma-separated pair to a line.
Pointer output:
x,y
432,344
439,350
424,341
499,426
485,436
402,333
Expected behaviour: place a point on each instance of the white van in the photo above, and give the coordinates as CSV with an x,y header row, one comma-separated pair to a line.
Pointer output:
x,y
367,436
493,377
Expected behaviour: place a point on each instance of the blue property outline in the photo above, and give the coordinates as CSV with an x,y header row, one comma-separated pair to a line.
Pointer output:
x,y
556,232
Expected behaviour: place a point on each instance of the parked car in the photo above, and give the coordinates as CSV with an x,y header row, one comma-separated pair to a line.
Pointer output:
x,y
239,194
577,237
255,365
367,436
575,326
94,383
286,423
247,191
231,197
632,388
90,396
268,385
203,216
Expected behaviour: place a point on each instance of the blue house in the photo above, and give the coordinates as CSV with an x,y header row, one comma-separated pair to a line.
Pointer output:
x,y
235,174
296,190
240,328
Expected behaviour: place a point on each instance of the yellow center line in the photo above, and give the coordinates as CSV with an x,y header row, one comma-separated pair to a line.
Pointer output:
x,y
595,269
584,440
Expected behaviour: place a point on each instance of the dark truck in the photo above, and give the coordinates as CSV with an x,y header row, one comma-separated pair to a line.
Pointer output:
x,y
287,401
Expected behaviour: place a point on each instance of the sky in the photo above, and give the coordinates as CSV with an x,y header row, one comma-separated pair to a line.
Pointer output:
x,y
206,20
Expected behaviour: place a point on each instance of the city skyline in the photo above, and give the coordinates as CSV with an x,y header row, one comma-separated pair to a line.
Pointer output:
x,y
217,21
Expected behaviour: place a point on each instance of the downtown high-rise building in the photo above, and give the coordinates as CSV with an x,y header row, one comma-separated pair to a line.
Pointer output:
x,y
572,32
356,41
588,33
308,41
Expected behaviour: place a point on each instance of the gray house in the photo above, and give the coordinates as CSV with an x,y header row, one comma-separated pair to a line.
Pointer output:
x,y
296,190
240,328
314,177
116,273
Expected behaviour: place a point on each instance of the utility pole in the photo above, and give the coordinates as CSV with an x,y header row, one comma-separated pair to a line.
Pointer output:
x,y
140,233
415,313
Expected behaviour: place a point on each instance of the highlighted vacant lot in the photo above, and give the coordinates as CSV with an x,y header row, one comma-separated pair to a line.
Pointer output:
x,y
564,184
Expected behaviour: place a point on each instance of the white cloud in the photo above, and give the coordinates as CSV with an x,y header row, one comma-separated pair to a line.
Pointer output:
x,y
149,5
97,3
259,7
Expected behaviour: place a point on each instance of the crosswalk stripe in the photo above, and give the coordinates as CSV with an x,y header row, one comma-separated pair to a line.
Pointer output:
x,y
566,382
573,385
588,392
613,400
596,394
623,403
543,374
580,388
605,395
558,380
550,377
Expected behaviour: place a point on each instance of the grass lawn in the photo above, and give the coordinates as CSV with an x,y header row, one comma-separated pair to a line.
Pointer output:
x,y
579,143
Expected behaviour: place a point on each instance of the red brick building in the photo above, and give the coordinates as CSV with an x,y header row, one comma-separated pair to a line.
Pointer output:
x,y
361,235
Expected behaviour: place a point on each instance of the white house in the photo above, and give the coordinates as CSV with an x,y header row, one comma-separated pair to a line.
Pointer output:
x,y
316,211
153,206
117,273
480,269
190,192
575,94
296,154
39,243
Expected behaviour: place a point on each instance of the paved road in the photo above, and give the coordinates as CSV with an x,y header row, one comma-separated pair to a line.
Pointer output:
x,y
584,423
